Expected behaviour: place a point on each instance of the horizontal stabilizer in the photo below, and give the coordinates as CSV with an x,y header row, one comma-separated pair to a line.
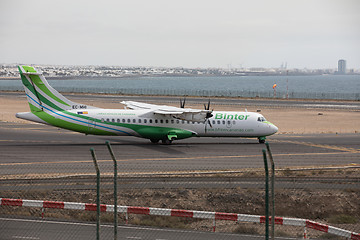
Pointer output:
x,y
32,73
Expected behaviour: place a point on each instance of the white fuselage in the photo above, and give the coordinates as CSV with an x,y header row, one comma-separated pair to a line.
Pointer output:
x,y
223,124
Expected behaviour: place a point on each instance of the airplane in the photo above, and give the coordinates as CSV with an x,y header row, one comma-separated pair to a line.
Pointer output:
x,y
154,122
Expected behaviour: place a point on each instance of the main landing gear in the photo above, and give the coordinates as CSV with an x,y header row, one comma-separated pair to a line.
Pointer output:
x,y
154,140
164,141
262,139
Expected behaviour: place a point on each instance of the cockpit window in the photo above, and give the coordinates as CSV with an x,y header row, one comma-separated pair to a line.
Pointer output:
x,y
261,119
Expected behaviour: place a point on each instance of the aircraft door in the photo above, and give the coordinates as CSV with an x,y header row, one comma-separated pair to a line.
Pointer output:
x,y
228,123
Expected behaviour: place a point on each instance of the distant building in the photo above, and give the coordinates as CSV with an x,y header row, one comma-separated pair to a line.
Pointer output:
x,y
341,66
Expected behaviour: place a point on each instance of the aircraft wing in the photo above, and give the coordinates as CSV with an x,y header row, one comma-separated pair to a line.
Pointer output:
x,y
188,114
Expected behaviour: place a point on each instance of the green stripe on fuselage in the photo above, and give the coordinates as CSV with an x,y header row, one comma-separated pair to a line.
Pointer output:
x,y
69,125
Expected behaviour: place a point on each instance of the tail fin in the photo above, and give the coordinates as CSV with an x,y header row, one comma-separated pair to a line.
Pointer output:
x,y
41,96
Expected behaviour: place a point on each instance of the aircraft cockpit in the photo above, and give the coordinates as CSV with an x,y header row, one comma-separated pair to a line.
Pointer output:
x,y
261,119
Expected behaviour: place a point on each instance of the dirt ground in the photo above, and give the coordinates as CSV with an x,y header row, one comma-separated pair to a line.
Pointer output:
x,y
288,120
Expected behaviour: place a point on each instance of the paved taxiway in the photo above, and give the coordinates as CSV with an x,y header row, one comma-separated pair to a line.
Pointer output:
x,y
42,229
29,149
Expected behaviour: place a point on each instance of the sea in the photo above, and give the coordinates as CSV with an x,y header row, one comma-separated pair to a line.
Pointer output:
x,y
346,87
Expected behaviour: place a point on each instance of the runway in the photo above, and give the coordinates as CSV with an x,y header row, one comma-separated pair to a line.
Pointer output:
x,y
29,150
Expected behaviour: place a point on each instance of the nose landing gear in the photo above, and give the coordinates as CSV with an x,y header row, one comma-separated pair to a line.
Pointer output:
x,y
262,139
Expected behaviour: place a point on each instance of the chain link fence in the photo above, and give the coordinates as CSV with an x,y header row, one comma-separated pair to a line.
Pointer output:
x,y
175,197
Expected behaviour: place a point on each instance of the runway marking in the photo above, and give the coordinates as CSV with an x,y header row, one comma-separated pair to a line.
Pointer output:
x,y
175,159
34,141
332,147
45,130
20,237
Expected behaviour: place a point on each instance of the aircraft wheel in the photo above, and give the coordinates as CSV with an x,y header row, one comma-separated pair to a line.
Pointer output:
x,y
166,141
154,140
261,140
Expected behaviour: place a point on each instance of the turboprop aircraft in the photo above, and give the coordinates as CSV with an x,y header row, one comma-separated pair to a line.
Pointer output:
x,y
154,122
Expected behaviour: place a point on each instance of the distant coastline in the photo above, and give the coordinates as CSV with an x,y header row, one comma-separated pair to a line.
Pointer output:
x,y
85,77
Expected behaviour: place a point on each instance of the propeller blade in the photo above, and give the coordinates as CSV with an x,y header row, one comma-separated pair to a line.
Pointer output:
x,y
205,125
182,103
207,121
208,105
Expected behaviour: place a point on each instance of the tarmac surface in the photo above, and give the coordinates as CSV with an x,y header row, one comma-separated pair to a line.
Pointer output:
x,y
29,149
43,229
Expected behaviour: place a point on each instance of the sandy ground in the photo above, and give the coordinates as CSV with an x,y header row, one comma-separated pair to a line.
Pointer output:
x,y
288,120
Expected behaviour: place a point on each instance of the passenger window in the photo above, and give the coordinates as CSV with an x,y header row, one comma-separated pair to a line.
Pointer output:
x,y
102,120
145,121
177,121
139,120
128,120
167,121
234,122
213,122
134,120
228,122
182,121
223,122
118,120
161,121
172,121
150,121
123,120
108,120
218,121
156,121
113,120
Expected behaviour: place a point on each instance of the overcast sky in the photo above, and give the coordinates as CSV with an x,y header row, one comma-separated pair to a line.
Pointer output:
x,y
186,33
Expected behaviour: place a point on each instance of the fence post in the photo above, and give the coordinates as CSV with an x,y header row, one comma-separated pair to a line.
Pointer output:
x,y
272,191
266,196
115,189
97,194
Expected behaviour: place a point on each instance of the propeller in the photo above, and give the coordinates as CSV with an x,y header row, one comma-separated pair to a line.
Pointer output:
x,y
208,105
182,102
208,115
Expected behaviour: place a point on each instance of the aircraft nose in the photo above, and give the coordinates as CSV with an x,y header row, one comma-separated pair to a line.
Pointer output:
x,y
274,128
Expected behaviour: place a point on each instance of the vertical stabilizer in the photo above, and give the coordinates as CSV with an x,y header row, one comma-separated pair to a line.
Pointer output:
x,y
41,96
